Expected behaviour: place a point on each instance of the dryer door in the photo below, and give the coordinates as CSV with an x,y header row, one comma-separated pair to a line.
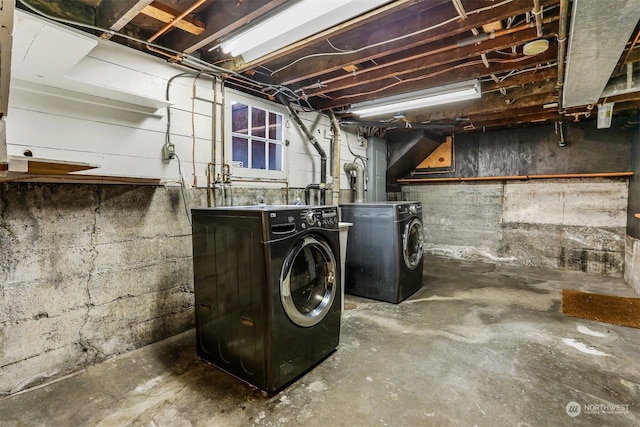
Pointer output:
x,y
412,244
308,282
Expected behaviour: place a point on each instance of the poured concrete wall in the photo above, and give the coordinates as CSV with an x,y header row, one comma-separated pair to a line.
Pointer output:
x,y
89,271
632,259
567,224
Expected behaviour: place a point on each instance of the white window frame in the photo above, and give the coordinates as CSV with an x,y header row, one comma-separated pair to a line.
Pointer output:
x,y
252,101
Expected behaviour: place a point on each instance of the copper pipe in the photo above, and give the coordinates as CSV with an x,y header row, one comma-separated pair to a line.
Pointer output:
x,y
175,21
168,55
635,40
519,177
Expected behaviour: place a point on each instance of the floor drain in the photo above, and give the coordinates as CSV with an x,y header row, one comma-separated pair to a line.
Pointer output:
x,y
349,306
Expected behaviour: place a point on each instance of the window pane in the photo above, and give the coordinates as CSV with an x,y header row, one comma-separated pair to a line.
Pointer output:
x,y
275,126
275,157
239,118
258,122
240,152
258,155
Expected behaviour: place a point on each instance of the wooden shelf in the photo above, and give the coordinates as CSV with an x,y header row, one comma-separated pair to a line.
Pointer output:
x,y
31,169
36,166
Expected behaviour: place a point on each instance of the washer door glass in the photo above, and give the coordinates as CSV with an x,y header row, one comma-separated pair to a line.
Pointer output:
x,y
308,281
412,244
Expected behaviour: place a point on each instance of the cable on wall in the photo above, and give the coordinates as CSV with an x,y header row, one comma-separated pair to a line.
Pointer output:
x,y
184,200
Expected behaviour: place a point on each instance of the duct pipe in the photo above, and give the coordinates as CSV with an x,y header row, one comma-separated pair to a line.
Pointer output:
x,y
312,139
359,170
335,190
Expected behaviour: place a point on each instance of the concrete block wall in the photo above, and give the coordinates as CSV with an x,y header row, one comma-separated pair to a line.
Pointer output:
x,y
632,259
558,223
88,272
632,263
91,271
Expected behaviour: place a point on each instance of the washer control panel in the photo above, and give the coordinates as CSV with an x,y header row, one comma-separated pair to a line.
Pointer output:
x,y
323,216
409,209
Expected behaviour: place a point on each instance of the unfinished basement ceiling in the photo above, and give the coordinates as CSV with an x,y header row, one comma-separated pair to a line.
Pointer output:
x,y
398,47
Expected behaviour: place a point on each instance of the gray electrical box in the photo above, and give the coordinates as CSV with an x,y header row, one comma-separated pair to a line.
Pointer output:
x,y
376,170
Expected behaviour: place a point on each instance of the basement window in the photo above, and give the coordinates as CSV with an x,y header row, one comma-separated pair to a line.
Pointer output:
x,y
257,138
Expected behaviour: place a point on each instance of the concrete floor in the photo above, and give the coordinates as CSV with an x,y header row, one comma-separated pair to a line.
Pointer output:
x,y
479,345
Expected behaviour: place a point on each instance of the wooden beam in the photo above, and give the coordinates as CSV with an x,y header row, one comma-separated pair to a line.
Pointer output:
x,y
515,110
166,14
114,15
437,76
494,102
530,76
397,66
221,19
507,120
378,40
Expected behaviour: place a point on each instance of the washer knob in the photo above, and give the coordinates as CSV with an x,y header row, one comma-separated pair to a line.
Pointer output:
x,y
311,217
413,209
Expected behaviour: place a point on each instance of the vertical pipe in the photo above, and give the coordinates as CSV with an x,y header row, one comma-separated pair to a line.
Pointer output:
x,y
562,44
214,138
319,149
335,191
562,48
223,118
209,185
537,12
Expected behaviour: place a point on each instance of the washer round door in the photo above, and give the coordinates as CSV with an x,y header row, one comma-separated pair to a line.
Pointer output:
x,y
412,244
308,281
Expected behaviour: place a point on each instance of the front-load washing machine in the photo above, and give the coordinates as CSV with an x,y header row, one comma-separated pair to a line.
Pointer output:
x,y
384,250
267,290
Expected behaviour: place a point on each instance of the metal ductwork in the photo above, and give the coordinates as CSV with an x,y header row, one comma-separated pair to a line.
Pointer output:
x,y
598,36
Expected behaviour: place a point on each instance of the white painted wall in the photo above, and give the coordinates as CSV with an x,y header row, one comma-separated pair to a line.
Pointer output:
x,y
102,103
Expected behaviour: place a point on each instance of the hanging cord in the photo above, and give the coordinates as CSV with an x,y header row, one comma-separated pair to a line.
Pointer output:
x,y
184,200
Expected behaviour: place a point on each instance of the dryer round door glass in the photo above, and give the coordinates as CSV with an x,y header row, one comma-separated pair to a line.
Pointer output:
x,y
412,244
308,281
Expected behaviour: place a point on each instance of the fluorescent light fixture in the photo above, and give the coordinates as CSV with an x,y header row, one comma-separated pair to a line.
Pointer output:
x,y
425,98
295,23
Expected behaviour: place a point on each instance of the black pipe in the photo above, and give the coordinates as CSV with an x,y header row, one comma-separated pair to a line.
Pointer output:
x,y
312,139
307,193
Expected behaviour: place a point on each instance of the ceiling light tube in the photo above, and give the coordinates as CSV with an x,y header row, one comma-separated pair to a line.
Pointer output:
x,y
294,23
425,98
